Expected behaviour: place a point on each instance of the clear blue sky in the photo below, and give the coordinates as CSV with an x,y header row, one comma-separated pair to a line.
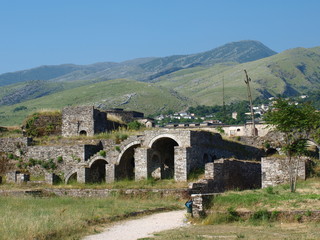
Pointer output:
x,y
44,32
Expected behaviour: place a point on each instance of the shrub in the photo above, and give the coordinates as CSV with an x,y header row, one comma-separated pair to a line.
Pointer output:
x,y
269,190
135,125
120,137
20,108
266,145
220,130
102,153
32,162
59,159
261,215
232,216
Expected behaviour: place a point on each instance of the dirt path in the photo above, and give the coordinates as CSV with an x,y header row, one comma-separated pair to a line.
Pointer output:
x,y
143,227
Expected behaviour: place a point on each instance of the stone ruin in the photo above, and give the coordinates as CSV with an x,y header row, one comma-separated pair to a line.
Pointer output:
x,y
88,121
156,153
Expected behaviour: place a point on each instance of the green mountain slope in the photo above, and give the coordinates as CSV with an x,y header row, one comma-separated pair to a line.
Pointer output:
x,y
45,80
121,93
240,52
291,72
143,68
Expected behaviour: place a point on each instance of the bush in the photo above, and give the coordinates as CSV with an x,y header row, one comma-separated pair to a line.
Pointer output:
x,y
261,215
232,216
32,162
59,159
20,108
102,153
121,137
135,125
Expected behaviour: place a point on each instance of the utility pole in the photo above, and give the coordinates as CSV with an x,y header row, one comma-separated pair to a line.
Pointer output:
x,y
223,102
247,81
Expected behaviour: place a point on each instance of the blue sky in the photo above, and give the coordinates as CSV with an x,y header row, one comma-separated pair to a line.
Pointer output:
x,y
43,32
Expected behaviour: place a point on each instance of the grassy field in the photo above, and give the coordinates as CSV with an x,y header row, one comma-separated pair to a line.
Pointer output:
x,y
307,197
224,223
234,231
68,218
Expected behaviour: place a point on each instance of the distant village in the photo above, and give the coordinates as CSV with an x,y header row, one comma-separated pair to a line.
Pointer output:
x,y
188,118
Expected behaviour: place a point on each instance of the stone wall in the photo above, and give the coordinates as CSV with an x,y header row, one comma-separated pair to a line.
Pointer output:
x,y
227,174
13,145
276,170
240,174
246,130
71,156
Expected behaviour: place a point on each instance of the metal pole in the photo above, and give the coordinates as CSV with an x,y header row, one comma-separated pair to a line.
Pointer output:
x,y
247,81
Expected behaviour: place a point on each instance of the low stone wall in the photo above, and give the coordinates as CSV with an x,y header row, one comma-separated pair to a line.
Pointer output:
x,y
275,171
181,193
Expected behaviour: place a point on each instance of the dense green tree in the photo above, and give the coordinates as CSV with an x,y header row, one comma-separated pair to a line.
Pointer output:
x,y
296,122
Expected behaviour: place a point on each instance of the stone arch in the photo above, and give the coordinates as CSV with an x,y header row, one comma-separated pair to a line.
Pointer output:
x,y
173,137
164,148
125,167
72,175
98,170
135,144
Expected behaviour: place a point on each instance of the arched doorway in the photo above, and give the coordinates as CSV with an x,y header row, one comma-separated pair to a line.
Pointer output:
x,y
98,171
163,157
83,133
126,167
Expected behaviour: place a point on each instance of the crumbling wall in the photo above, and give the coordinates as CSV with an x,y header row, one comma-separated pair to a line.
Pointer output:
x,y
228,174
276,170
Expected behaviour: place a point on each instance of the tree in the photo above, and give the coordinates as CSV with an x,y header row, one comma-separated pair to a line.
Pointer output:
x,y
295,121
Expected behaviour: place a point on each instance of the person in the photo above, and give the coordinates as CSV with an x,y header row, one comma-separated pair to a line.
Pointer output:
x,y
188,204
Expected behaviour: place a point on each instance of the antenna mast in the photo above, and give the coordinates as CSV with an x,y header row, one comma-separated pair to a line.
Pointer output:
x,y
247,81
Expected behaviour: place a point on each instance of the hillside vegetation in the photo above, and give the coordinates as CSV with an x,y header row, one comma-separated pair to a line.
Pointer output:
x,y
129,94
155,85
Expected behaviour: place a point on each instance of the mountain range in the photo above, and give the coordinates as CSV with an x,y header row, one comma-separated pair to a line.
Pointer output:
x,y
154,85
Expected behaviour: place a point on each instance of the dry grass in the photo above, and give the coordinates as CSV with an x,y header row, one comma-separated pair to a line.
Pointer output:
x,y
29,218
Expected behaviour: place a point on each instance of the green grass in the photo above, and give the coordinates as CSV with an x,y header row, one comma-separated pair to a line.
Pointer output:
x,y
68,218
271,198
145,97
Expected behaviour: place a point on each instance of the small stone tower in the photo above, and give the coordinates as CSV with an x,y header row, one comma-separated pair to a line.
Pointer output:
x,y
83,120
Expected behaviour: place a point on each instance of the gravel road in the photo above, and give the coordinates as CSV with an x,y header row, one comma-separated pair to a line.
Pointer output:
x,y
142,227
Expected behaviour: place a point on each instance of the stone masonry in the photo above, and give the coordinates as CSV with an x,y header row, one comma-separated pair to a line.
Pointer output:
x,y
276,171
